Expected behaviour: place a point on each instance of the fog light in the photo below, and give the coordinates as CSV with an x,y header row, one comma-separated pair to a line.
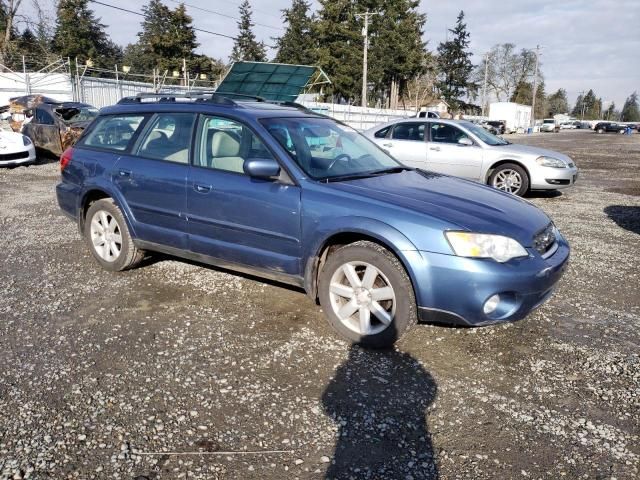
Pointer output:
x,y
491,304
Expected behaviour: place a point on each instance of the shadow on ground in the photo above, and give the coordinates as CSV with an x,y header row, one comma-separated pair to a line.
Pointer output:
x,y
378,400
627,217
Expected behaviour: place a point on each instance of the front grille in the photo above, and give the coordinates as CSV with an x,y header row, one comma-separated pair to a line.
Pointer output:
x,y
545,240
13,156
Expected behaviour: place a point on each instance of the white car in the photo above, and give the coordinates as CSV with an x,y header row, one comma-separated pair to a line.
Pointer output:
x,y
466,150
16,149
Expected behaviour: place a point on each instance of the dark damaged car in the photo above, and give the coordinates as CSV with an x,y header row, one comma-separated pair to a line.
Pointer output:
x,y
51,125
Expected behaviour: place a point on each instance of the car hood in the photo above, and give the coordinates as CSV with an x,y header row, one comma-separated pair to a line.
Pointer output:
x,y
527,150
10,140
463,204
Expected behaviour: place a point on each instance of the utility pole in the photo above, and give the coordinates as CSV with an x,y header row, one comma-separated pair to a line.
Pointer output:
x,y
535,88
484,88
365,34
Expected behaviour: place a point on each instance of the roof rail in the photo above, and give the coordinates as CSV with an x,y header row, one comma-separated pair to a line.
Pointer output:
x,y
222,98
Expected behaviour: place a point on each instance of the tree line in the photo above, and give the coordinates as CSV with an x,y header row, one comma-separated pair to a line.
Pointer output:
x,y
402,69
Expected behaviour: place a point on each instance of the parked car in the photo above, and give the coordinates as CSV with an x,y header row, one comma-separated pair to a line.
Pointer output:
x,y
549,125
287,194
15,149
53,126
499,126
609,127
489,128
465,150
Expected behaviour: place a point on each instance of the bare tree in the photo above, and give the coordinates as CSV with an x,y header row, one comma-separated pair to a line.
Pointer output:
x,y
506,68
10,12
420,90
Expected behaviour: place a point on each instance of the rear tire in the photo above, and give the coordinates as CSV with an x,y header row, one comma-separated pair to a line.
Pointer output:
x,y
510,178
600,130
108,237
367,295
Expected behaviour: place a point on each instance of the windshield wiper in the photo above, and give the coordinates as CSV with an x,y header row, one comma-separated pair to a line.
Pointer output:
x,y
356,176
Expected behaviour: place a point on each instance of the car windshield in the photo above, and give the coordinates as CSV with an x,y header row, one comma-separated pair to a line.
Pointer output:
x,y
328,150
77,114
483,134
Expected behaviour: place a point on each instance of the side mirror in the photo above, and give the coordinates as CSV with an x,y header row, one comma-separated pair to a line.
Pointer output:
x,y
261,168
466,141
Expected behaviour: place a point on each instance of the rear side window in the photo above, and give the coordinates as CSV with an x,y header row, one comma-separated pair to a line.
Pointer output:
x,y
113,132
168,137
408,131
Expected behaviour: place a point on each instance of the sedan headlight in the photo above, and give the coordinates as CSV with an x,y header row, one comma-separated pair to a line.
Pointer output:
x,y
480,245
551,162
26,140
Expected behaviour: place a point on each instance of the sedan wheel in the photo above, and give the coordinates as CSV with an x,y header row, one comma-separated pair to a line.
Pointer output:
x,y
362,298
508,181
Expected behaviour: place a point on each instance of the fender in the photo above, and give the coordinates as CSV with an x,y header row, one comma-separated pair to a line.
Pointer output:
x,y
317,239
105,186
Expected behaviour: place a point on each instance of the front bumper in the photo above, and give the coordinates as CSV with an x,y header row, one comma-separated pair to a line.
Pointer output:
x,y
453,290
547,178
30,158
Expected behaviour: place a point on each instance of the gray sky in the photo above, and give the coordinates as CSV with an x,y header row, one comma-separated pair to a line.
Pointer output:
x,y
586,43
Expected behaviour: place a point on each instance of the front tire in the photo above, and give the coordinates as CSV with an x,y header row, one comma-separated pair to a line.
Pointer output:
x,y
367,295
600,130
108,237
510,178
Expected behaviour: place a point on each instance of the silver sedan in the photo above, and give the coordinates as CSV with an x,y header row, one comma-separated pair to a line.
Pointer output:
x,y
464,149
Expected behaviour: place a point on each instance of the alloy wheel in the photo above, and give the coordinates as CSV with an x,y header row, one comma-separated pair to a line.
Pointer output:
x,y
362,298
508,180
106,236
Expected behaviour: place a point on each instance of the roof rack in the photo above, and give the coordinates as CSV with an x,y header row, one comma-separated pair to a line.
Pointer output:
x,y
221,98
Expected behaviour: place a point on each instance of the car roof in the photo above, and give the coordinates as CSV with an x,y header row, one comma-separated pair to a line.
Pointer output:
x,y
446,121
244,108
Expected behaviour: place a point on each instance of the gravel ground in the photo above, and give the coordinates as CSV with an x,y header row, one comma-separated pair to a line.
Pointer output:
x,y
175,370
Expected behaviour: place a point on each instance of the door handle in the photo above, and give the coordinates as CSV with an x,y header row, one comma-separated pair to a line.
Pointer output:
x,y
124,173
387,144
202,188
437,149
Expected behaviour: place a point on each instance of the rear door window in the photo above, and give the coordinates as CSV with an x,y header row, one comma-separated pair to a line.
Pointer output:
x,y
445,133
168,137
409,131
113,132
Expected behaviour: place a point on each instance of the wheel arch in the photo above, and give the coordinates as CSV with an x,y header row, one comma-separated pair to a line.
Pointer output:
x,y
91,195
386,236
503,162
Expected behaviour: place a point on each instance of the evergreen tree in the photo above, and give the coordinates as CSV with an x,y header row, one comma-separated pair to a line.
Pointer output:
x,y
454,61
588,107
557,103
80,34
340,46
397,52
297,44
523,95
246,47
630,111
610,113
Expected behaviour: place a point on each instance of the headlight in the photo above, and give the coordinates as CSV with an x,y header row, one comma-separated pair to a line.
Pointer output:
x,y
26,140
480,245
551,162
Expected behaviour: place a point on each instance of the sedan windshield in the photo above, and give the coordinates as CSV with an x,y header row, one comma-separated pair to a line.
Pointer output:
x,y
328,150
484,135
77,114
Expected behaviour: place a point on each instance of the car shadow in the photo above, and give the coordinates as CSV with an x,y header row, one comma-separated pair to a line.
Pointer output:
x,y
543,194
378,400
625,216
152,258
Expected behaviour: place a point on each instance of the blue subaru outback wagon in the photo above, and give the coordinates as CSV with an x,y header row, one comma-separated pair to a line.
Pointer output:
x,y
281,192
